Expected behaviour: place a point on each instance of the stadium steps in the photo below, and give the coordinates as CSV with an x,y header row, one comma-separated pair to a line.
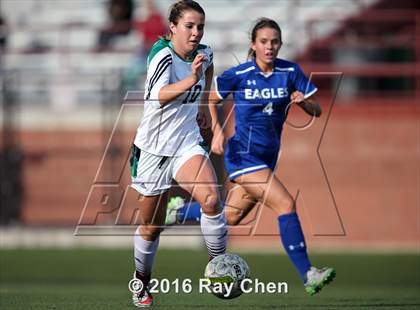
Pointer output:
x,y
74,27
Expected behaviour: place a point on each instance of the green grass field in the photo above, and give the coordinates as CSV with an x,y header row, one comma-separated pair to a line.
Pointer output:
x,y
97,279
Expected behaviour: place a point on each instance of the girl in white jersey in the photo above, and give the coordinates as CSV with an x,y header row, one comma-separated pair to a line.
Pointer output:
x,y
167,144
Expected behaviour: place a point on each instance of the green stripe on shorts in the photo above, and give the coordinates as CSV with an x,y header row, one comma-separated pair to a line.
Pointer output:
x,y
134,160
204,145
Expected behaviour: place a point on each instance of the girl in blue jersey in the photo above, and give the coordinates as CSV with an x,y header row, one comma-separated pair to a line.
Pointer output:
x,y
262,90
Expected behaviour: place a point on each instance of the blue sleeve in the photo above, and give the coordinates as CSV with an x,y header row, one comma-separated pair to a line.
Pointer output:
x,y
302,84
226,83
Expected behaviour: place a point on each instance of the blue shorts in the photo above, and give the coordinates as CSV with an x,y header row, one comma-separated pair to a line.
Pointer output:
x,y
240,161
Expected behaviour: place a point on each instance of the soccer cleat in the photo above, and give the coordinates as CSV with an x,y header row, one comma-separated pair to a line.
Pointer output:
x,y
174,204
317,278
143,299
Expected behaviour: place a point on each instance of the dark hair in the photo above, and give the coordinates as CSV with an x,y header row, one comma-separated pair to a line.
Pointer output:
x,y
177,9
260,24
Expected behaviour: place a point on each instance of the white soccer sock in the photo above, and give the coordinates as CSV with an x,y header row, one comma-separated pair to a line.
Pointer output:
x,y
144,253
215,233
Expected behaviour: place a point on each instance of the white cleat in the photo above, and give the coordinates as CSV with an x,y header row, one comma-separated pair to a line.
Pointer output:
x,y
317,278
174,204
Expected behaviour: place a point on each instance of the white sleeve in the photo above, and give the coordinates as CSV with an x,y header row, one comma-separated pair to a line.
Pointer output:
x,y
158,75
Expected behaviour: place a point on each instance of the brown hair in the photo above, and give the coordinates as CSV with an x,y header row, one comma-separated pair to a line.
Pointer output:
x,y
177,9
260,24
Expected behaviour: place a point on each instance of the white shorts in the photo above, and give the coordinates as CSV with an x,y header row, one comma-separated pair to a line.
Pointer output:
x,y
152,175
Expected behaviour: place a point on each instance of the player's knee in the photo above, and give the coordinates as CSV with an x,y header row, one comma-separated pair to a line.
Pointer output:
x,y
233,220
150,232
286,205
211,204
233,217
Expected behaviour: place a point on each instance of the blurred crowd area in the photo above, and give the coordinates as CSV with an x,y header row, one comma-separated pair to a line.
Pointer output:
x,y
66,67
64,55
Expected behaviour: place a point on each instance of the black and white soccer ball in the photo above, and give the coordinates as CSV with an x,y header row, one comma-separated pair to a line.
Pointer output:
x,y
230,269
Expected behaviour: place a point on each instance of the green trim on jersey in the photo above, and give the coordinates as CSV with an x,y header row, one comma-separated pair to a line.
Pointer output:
x,y
201,47
156,48
162,43
204,146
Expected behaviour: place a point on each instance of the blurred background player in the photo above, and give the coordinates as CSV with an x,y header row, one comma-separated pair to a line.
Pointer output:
x,y
120,23
263,89
3,34
149,28
167,144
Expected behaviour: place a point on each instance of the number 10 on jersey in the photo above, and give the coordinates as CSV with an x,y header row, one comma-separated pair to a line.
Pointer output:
x,y
192,94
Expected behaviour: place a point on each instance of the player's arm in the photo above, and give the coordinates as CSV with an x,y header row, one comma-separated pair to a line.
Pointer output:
x,y
217,144
309,105
224,85
172,91
203,116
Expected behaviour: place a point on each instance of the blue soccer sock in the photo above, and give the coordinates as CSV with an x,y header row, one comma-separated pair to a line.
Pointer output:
x,y
190,212
294,242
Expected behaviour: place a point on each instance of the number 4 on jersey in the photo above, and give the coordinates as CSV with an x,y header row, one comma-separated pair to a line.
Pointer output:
x,y
268,108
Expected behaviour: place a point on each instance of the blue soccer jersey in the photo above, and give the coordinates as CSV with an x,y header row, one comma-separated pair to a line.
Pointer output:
x,y
260,104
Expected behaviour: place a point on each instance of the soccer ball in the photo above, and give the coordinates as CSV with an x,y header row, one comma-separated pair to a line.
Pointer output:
x,y
226,272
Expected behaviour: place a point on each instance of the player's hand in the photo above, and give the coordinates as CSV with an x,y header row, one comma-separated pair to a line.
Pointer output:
x,y
197,65
297,97
218,142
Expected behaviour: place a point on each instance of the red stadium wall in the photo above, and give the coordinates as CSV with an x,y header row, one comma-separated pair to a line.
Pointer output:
x,y
370,198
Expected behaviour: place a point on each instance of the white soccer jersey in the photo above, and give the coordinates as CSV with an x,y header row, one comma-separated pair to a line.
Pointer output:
x,y
170,130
